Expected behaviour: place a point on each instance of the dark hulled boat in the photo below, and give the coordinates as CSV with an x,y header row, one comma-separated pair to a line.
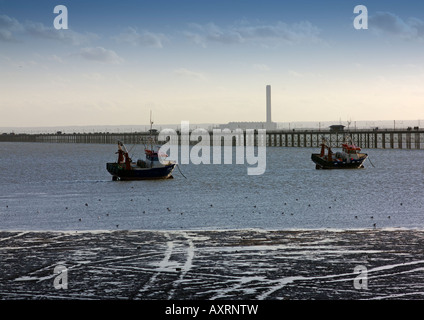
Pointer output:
x,y
154,166
151,168
349,158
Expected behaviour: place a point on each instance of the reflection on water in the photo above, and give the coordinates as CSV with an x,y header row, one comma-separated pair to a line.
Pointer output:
x,y
67,187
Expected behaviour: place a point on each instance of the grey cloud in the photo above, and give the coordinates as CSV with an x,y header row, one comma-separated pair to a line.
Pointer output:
x,y
245,32
144,38
7,36
100,54
10,28
188,73
67,36
389,23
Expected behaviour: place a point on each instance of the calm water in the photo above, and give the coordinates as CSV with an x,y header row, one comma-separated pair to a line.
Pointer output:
x,y
67,187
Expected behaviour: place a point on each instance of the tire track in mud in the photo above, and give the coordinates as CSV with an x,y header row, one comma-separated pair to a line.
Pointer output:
x,y
226,264
176,263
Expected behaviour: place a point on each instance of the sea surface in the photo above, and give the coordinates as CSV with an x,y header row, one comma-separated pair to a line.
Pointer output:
x,y
58,187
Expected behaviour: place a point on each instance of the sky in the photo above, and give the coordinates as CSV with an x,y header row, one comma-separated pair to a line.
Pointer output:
x,y
209,61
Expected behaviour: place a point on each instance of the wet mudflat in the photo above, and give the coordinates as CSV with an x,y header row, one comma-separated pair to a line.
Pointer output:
x,y
226,264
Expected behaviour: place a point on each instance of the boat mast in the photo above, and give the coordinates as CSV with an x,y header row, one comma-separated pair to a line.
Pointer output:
x,y
151,128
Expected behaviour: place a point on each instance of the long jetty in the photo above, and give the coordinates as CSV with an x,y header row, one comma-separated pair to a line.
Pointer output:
x,y
409,138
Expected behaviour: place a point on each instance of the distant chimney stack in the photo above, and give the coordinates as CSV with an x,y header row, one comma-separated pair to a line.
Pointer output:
x,y
268,104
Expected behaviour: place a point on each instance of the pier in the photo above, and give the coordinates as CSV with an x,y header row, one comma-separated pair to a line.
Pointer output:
x,y
409,138
368,139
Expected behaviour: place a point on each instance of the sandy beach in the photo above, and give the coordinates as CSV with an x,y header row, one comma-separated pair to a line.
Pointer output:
x,y
212,265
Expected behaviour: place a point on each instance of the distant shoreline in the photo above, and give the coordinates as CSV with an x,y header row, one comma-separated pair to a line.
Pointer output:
x,y
297,125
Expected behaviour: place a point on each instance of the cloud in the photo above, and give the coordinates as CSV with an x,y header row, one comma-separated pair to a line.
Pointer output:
x,y
261,67
389,23
188,73
100,54
9,23
39,30
144,38
10,28
245,32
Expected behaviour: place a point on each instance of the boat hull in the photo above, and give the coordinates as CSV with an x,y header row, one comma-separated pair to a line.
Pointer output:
x,y
325,164
119,172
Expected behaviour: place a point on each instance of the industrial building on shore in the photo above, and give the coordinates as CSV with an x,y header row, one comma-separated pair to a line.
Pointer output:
x,y
268,125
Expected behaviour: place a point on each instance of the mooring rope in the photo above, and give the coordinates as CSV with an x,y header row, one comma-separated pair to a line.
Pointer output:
x,y
180,171
371,162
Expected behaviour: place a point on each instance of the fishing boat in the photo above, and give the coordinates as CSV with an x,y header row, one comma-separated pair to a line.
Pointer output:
x,y
154,166
126,169
349,158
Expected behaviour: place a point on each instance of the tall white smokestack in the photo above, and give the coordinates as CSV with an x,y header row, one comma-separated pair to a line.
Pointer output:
x,y
268,104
